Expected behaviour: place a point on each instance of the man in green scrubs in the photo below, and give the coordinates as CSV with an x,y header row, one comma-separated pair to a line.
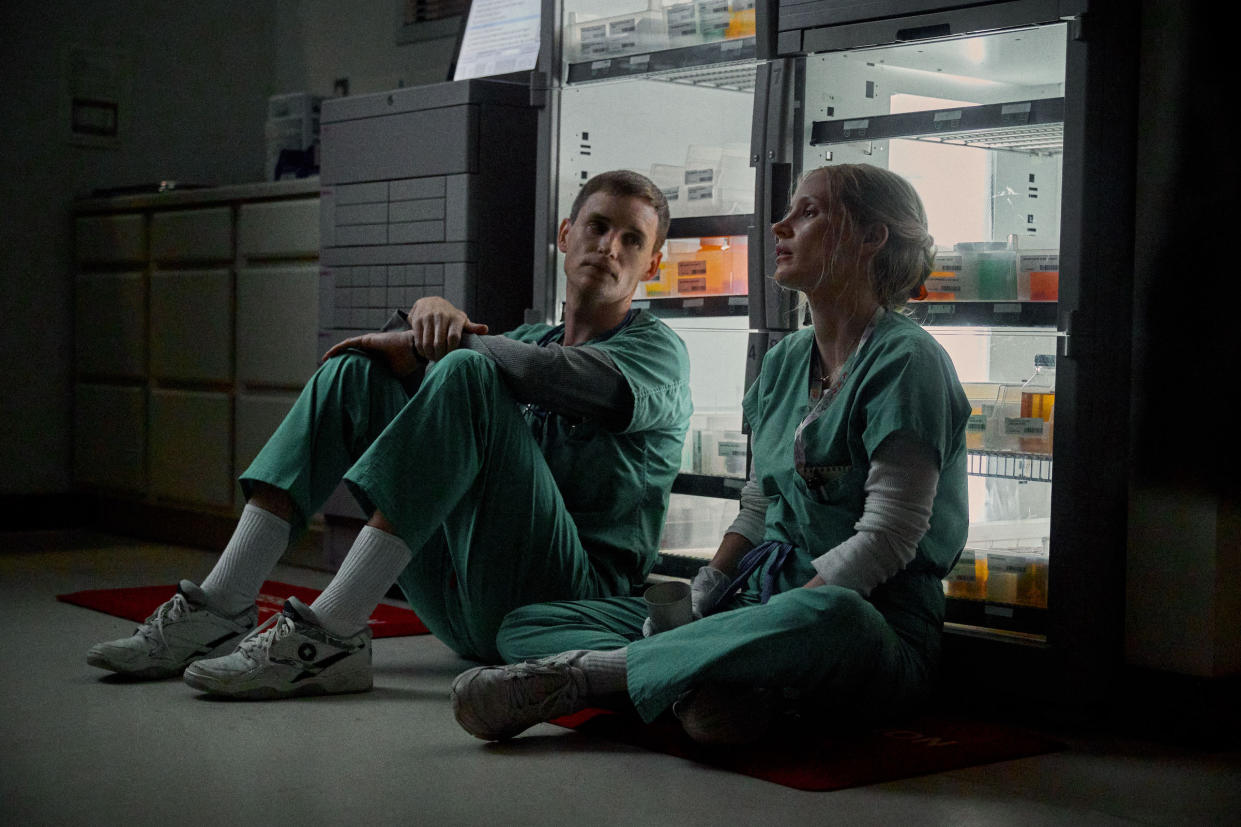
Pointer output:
x,y
498,470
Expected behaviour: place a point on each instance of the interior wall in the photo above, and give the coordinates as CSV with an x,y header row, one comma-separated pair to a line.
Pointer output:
x,y
199,76
197,81
321,41
1183,591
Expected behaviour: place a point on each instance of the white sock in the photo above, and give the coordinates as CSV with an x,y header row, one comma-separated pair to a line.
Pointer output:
x,y
607,673
368,571
252,552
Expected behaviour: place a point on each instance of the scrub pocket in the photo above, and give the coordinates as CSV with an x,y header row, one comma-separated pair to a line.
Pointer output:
x,y
844,486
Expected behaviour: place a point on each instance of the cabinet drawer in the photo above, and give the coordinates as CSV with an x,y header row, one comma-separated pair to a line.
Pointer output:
x,y
110,324
277,324
191,446
109,430
110,239
192,235
191,325
279,229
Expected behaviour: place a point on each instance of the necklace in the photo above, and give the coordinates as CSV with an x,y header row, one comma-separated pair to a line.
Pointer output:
x,y
813,475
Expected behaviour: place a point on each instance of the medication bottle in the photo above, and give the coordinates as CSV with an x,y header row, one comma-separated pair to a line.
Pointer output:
x,y
965,580
1038,399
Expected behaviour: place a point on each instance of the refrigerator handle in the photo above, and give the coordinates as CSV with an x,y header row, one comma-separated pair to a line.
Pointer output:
x,y
771,308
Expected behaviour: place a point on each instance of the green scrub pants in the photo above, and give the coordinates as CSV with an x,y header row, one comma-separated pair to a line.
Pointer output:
x,y
828,643
456,470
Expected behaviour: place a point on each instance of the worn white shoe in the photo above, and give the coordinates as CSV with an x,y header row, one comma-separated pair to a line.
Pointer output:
x,y
496,703
290,655
180,631
717,713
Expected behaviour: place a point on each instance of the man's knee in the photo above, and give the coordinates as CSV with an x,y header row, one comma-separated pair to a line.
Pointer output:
x,y
465,364
351,367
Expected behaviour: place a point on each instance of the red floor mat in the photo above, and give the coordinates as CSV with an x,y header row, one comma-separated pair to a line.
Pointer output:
x,y
139,602
920,746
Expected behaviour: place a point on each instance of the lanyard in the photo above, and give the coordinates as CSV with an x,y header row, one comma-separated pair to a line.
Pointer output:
x,y
754,558
815,476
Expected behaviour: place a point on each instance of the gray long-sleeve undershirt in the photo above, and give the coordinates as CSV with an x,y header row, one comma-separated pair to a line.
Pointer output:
x,y
581,382
900,490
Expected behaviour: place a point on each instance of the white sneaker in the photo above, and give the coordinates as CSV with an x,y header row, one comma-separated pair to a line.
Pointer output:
x,y
290,655
730,714
180,631
495,703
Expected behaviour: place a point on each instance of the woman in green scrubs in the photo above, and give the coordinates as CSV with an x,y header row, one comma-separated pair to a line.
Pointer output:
x,y
827,586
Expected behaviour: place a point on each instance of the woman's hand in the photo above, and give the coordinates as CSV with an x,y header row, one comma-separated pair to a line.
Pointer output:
x,y
815,582
438,326
395,346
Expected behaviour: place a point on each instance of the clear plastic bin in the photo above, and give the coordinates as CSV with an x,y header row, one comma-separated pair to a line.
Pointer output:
x,y
945,283
670,179
634,32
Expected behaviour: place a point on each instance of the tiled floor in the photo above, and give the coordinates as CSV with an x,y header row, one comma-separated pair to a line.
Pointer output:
x,y
79,747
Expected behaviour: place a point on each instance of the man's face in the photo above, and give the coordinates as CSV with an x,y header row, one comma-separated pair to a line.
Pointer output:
x,y
609,248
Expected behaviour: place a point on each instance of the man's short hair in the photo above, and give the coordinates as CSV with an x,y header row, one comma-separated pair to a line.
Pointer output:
x,y
626,183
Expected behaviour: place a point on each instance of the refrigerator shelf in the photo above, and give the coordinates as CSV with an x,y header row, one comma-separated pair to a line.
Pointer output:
x,y
1034,126
984,313
723,64
685,306
703,485
1009,465
699,226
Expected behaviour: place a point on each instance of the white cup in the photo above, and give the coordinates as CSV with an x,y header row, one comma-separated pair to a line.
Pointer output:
x,y
669,604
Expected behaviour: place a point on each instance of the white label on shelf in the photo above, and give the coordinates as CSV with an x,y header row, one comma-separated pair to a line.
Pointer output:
x,y
623,27
949,115
680,15
1023,426
701,192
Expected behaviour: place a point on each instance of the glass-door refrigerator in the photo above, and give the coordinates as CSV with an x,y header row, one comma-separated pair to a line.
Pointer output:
x,y
994,113
668,90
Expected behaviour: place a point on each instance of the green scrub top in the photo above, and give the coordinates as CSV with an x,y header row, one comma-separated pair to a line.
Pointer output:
x,y
900,380
616,484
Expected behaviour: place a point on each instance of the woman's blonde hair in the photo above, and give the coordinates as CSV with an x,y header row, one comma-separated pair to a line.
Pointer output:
x,y
869,196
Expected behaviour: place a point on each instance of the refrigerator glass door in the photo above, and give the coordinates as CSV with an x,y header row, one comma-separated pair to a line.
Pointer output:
x,y
667,90
975,124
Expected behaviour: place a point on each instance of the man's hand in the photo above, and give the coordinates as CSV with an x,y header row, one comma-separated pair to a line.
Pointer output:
x,y
396,347
438,326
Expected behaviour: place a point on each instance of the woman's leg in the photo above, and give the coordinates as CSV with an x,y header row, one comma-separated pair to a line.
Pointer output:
x,y
824,640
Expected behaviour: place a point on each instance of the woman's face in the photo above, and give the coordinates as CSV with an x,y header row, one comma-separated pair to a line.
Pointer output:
x,y
807,237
